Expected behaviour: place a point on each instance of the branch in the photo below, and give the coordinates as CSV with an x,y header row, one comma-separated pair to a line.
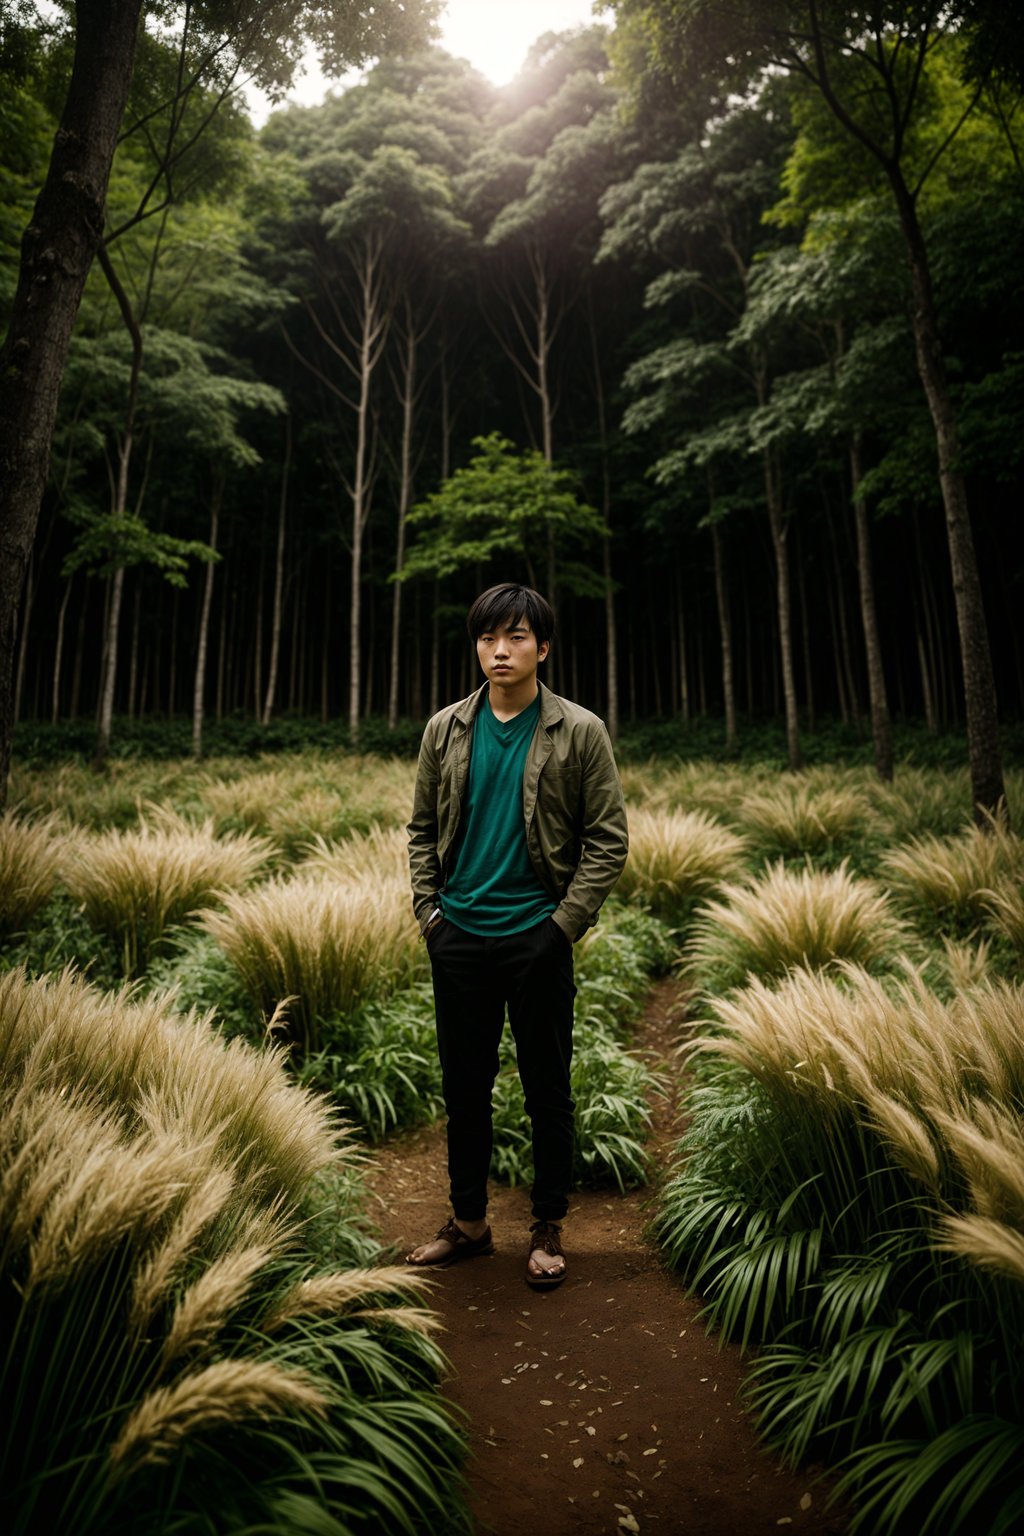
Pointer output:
x,y
947,141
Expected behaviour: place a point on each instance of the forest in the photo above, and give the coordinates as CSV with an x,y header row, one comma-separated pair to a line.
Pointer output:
x,y
708,326
644,336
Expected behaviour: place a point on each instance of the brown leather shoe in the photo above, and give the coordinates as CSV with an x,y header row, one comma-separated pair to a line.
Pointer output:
x,y
547,1236
462,1247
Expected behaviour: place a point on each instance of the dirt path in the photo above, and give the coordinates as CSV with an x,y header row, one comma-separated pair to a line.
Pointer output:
x,y
601,1407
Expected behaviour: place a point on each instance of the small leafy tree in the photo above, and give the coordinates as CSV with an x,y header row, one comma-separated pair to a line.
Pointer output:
x,y
505,505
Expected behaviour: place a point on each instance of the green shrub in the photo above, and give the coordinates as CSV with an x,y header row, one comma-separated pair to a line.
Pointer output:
x,y
611,1089
380,1064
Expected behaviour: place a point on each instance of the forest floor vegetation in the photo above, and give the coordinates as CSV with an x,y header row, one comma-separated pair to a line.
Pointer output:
x,y
845,1195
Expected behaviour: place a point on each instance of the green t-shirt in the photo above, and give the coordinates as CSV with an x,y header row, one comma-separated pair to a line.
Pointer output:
x,y
493,888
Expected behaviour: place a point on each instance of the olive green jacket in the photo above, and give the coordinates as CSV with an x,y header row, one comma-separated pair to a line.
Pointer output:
x,y
573,810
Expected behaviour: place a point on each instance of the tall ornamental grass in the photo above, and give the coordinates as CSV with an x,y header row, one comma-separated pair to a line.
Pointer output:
x,y
380,854
173,1355
314,947
922,802
1004,906
804,820
851,1196
945,881
135,885
790,918
675,860
31,850
310,796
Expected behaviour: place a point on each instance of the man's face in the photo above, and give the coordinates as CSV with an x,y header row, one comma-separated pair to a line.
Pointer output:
x,y
509,654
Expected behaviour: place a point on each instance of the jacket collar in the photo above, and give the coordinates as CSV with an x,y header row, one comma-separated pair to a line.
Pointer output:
x,y
550,706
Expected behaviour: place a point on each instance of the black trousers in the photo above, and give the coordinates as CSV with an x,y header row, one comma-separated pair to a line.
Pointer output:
x,y
474,979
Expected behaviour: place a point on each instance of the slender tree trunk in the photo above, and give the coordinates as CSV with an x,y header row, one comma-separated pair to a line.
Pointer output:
x,y
372,335
282,527
805,632
844,631
783,607
983,749
76,671
930,720
133,663
684,677
881,726
725,633
59,652
57,250
408,403
119,509
199,688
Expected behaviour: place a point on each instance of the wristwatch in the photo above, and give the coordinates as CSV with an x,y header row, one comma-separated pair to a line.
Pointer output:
x,y
432,922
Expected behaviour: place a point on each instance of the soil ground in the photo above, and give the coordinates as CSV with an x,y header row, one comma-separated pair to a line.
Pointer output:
x,y
600,1407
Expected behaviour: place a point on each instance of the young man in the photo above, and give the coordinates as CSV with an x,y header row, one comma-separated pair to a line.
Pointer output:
x,y
518,833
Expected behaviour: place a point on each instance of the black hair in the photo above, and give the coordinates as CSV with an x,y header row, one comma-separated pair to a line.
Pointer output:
x,y
510,604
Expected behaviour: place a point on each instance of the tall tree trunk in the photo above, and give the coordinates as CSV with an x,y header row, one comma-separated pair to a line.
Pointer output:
x,y
881,726
407,396
119,509
987,787
282,526
199,687
59,652
725,633
783,605
684,677
930,718
76,671
610,634
805,633
133,663
373,331
57,250
844,631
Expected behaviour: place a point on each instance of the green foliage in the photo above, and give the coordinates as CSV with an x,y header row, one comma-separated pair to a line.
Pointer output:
x,y
611,1090
503,503
380,1063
